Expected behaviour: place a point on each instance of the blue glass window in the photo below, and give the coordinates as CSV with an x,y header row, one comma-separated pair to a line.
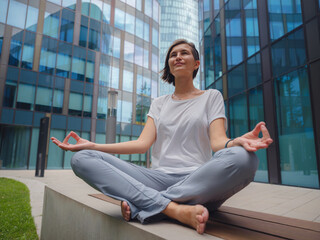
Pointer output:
x,y
67,23
78,63
17,13
143,85
105,73
254,75
295,129
146,36
130,23
43,99
51,22
128,51
119,19
106,41
90,66
25,98
138,55
148,8
127,81
94,35
238,115
9,96
236,80
58,94
145,58
208,56
102,107
28,48
85,6
106,12
96,9
217,49
116,47
3,10
87,100
234,33
15,48
32,16
48,55
71,4
126,111
155,10
115,78
76,98
155,37
252,28
256,112
289,53
284,16
64,60
154,63
138,4
55,154
139,28
83,31
206,14
1,37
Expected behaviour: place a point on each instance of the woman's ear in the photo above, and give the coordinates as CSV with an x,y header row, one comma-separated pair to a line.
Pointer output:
x,y
196,66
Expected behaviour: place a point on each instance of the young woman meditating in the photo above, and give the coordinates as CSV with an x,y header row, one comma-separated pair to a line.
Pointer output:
x,y
185,180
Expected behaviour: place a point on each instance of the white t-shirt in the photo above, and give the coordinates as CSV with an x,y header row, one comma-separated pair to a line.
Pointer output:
x,y
183,144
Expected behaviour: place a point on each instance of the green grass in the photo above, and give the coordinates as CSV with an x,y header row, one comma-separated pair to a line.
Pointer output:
x,y
16,221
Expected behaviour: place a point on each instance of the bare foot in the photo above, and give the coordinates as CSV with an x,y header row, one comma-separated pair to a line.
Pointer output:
x,y
125,210
194,216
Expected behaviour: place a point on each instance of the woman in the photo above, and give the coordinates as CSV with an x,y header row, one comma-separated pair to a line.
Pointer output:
x,y
185,180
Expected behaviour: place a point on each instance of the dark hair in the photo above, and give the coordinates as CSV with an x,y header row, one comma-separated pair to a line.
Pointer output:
x,y
166,75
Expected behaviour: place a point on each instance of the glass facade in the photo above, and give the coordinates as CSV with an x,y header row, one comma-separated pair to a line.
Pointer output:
x,y
265,66
61,60
179,19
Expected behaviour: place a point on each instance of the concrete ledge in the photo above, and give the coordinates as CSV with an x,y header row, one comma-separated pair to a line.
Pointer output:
x,y
65,217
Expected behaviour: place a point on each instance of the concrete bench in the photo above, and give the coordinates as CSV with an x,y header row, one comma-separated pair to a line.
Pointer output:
x,y
96,216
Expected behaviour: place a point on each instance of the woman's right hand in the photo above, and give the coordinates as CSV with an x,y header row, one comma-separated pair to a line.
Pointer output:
x,y
80,145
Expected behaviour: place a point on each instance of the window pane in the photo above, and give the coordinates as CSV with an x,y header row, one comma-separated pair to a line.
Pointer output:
x,y
1,37
254,71
139,28
119,19
17,13
154,63
130,23
55,154
90,66
34,148
75,104
289,53
28,48
115,78
96,9
71,4
105,73
66,29
155,37
128,51
78,63
295,129
48,55
284,16
138,57
15,48
146,36
145,58
127,81
155,10
148,8
43,99
32,18
102,107
106,44
64,60
252,29
94,35
57,102
87,105
25,99
85,7
83,31
51,23
256,115
116,47
106,13
236,80
126,111
3,10
238,116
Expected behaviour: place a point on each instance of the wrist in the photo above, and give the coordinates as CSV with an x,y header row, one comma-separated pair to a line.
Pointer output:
x,y
228,143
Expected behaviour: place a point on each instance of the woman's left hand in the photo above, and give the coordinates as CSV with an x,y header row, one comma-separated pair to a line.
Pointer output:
x,y
251,141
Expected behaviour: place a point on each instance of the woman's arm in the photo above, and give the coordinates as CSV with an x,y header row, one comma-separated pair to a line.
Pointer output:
x,y
141,145
250,141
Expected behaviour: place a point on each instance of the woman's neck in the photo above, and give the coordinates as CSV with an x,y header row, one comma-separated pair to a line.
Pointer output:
x,y
184,86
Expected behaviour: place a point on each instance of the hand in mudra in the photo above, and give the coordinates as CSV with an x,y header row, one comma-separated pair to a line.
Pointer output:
x,y
251,140
80,145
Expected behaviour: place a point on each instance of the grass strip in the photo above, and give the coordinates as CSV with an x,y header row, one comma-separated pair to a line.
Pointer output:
x,y
16,221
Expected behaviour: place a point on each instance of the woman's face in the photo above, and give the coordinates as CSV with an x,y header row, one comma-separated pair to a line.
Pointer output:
x,y
181,61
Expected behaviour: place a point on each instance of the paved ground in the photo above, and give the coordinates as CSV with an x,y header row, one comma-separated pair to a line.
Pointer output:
x,y
300,203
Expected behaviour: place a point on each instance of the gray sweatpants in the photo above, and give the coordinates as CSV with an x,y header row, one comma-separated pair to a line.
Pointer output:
x,y
148,191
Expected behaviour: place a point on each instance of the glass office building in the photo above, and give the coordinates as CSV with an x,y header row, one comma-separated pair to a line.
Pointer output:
x,y
59,58
264,56
178,19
